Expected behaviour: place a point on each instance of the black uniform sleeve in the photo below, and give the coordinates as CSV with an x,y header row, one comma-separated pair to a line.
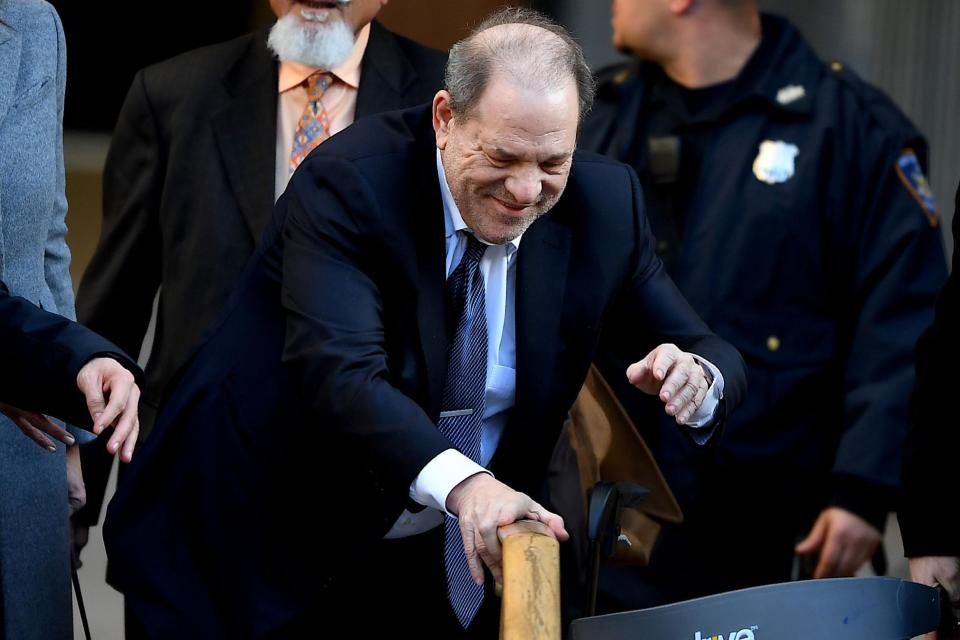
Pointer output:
x,y
891,253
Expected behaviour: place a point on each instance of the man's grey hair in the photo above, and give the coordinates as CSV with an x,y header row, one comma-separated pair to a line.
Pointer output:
x,y
529,57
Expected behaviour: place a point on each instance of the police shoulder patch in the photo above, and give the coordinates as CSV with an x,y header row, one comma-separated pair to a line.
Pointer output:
x,y
911,175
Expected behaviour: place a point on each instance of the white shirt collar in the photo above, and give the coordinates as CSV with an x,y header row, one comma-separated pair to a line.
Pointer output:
x,y
452,220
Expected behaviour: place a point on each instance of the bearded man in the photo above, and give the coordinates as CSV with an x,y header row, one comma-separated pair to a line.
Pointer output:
x,y
203,146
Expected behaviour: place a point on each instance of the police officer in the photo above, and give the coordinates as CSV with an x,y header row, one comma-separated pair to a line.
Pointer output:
x,y
790,206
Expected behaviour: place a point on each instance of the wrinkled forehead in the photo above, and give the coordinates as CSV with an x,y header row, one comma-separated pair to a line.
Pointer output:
x,y
513,109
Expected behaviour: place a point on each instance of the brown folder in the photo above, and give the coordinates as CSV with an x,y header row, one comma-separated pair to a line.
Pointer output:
x,y
600,443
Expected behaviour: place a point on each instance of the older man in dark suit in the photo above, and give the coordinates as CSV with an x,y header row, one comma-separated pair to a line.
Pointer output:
x,y
204,145
394,344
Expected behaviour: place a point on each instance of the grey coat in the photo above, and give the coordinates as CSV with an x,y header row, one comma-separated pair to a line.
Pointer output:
x,y
34,262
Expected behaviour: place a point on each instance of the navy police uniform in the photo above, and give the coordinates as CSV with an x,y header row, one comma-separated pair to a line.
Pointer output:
x,y
791,209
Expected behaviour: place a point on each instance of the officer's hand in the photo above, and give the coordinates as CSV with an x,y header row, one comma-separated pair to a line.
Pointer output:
x,y
938,570
844,540
112,399
675,376
482,504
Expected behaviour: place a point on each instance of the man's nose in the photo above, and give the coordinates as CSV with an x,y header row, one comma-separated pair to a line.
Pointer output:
x,y
524,186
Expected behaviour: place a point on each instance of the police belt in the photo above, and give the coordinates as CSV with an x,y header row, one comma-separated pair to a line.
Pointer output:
x,y
836,609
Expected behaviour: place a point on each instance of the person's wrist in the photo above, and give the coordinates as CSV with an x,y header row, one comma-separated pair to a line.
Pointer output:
x,y
459,492
707,374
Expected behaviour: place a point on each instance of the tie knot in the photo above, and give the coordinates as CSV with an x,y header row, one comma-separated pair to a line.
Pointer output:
x,y
317,85
475,249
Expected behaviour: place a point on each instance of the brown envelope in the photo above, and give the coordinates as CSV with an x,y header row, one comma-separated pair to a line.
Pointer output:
x,y
600,440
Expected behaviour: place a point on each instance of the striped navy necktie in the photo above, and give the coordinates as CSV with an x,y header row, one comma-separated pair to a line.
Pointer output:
x,y
463,396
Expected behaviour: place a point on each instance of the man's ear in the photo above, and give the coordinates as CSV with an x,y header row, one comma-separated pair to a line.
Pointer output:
x,y
680,7
442,118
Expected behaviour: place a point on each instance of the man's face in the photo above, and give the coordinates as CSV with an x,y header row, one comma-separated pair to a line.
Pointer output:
x,y
356,13
638,25
508,162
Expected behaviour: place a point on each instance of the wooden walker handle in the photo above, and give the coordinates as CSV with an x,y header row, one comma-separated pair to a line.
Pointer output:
x,y
531,582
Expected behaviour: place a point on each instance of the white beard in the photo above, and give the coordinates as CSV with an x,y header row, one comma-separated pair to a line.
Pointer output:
x,y
315,44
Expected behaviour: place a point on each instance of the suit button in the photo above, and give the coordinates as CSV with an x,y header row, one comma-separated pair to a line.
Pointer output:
x,y
773,343
662,247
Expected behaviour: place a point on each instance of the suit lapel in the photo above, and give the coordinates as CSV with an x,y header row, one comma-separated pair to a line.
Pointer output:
x,y
542,264
431,275
9,67
246,133
385,74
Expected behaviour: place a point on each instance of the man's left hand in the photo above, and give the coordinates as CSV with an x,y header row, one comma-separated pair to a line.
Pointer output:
x,y
675,376
844,540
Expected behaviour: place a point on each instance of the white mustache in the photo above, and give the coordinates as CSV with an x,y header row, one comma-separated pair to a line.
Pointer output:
x,y
320,15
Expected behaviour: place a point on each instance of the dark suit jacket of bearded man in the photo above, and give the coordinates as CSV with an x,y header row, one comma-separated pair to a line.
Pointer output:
x,y
188,191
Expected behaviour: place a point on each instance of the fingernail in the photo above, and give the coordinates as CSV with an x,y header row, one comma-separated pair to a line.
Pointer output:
x,y
659,373
666,395
70,439
51,448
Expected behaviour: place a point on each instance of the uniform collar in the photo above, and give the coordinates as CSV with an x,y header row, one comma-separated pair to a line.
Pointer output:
x,y
778,74
293,74
780,70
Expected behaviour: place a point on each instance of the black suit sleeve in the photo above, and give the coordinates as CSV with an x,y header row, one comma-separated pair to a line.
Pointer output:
x,y
928,516
336,333
651,300
116,293
44,352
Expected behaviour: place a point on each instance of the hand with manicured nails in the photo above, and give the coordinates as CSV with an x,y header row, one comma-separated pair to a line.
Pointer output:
x,y
673,375
37,427
482,504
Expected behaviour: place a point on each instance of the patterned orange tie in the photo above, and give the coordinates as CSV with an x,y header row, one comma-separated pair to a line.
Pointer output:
x,y
314,125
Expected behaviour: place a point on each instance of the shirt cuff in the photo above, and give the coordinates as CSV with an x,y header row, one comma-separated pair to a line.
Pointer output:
x,y
706,412
438,478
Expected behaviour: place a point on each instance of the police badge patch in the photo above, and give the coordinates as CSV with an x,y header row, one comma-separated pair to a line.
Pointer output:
x,y
911,175
774,161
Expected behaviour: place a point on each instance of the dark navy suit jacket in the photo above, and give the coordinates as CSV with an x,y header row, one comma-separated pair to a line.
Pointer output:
x,y
319,391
